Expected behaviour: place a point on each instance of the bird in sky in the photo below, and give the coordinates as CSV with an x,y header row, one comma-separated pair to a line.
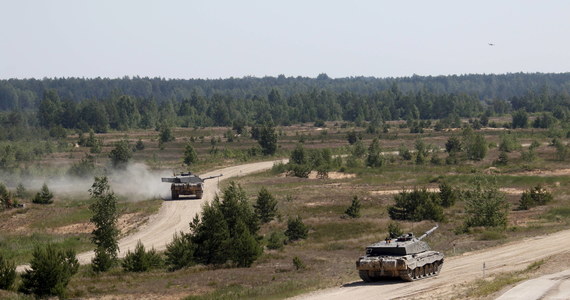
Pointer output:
x,y
491,44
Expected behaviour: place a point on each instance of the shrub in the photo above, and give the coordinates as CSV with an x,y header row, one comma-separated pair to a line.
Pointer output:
x,y
298,263
265,206
50,271
353,211
447,195
394,230
296,229
5,197
7,273
301,171
105,215
486,206
141,260
179,253
121,154
44,196
276,241
190,155
416,205
534,197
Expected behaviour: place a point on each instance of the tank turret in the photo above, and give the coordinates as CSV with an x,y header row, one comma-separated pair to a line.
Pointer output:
x,y
406,257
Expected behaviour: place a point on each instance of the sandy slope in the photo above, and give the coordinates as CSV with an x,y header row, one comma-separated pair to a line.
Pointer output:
x,y
553,286
456,270
174,216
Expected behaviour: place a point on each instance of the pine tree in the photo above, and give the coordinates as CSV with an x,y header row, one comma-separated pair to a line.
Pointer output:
x,y
180,252
296,229
265,206
105,234
7,273
190,155
353,211
210,234
245,248
50,271
44,196
121,154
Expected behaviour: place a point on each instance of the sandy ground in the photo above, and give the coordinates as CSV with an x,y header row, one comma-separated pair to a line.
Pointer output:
x,y
456,271
175,216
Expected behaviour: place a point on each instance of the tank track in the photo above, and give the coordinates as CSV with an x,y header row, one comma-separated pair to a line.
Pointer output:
x,y
426,271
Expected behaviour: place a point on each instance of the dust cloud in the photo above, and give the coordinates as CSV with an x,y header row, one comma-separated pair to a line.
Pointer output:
x,y
137,182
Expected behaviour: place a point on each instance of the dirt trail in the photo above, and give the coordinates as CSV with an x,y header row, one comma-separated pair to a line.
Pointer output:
x,y
174,216
456,270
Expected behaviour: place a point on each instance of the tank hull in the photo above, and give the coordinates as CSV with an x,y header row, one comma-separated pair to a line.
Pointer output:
x,y
408,267
178,190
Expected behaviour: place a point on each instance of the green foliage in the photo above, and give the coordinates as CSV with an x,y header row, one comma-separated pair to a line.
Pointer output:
x,y
298,263
374,158
352,137
267,139
503,159
50,271
485,205
265,206
298,155
180,252
7,273
416,205
190,155
84,168
165,134
296,229
453,144
244,248
276,240
353,211
509,143
20,191
44,196
105,216
520,119
121,154
5,197
141,260
447,195
301,171
227,230
562,150
476,147
534,197
394,230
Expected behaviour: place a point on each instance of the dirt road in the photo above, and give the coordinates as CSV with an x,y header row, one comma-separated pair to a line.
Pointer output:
x,y
553,286
456,270
174,216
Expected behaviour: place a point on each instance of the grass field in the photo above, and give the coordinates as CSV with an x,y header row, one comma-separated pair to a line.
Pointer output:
x,y
334,241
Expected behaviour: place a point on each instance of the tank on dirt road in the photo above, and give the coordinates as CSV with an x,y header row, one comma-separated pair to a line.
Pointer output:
x,y
406,257
187,184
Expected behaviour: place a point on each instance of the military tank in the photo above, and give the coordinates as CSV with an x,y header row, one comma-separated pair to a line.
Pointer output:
x,y
406,257
187,184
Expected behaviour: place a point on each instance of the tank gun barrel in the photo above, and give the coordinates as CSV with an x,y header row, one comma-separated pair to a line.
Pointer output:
x,y
428,232
212,177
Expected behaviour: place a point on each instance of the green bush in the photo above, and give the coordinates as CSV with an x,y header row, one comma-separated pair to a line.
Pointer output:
x,y
276,241
534,197
180,252
44,196
298,263
394,230
50,271
486,206
416,205
353,211
7,273
296,229
141,260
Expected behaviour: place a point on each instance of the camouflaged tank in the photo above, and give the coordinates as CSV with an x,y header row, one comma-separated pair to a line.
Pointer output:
x,y
187,184
406,257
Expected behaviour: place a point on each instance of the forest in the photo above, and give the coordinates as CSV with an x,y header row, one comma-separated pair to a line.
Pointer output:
x,y
102,104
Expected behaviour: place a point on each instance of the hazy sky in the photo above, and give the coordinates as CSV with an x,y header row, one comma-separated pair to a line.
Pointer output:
x,y
220,39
